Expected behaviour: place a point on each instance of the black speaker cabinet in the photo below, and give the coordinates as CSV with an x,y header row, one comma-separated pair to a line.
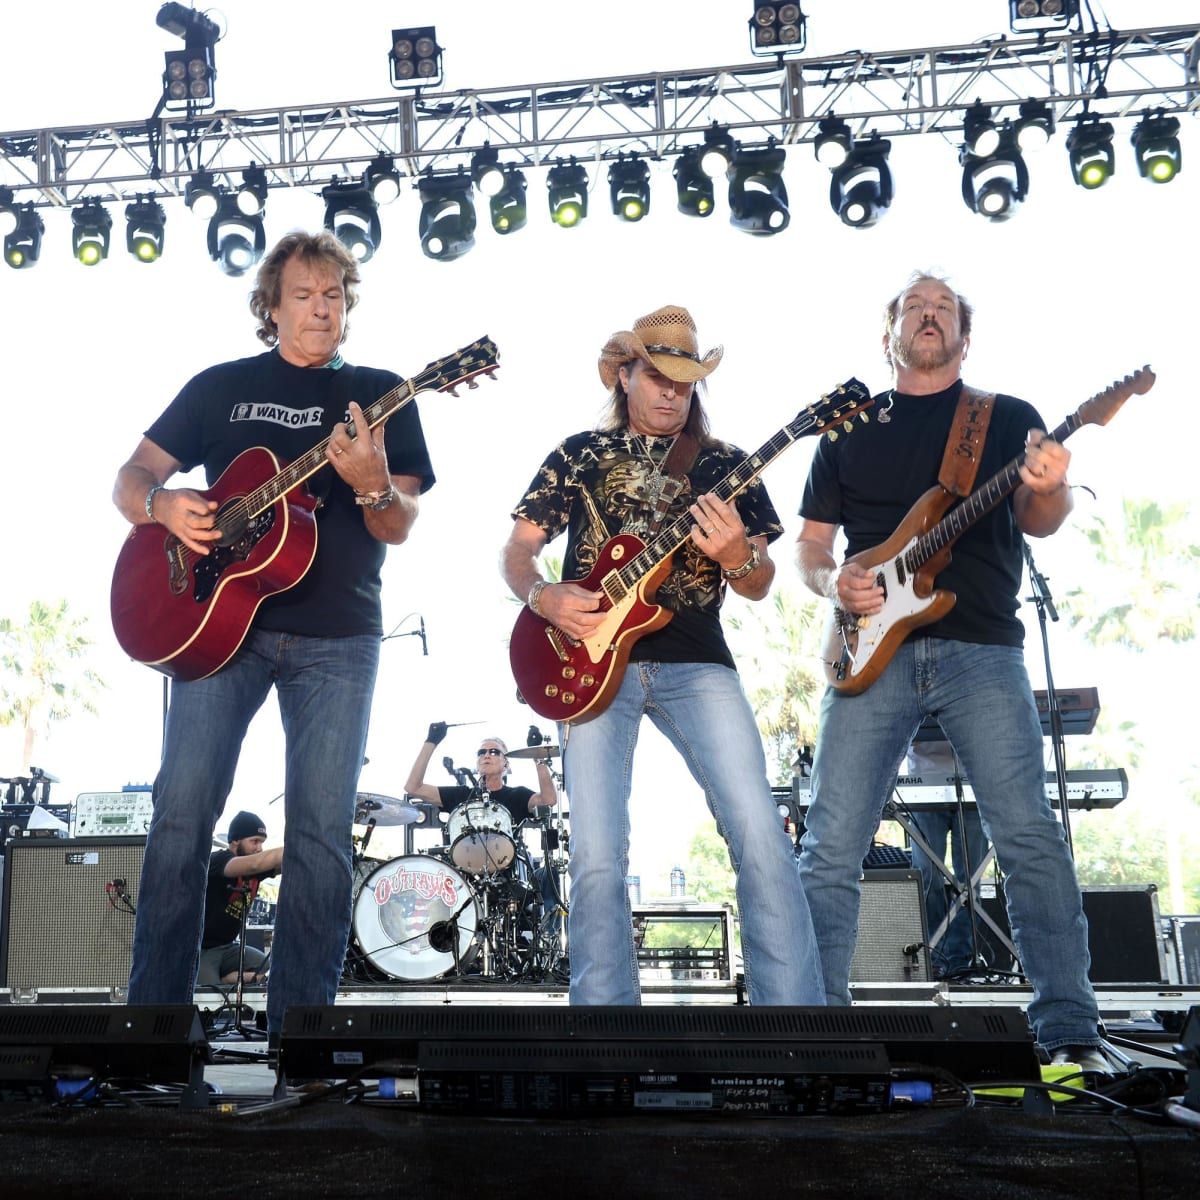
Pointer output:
x,y
891,919
69,910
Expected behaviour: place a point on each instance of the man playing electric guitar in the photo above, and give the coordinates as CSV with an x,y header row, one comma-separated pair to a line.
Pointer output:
x,y
652,460
317,642
967,668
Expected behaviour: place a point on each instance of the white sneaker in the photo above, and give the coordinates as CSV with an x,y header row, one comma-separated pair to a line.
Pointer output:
x,y
1089,1059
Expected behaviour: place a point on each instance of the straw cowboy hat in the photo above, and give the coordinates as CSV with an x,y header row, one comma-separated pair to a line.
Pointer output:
x,y
666,339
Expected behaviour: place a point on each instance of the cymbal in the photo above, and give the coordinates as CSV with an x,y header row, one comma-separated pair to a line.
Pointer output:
x,y
535,752
386,810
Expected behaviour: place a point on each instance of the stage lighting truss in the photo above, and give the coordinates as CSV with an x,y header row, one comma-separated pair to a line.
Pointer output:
x,y
202,195
145,229
416,58
189,75
833,142
1090,148
1029,16
353,218
508,210
447,222
860,191
1035,125
235,241
567,185
91,231
717,152
778,29
1156,147
758,201
995,185
252,194
693,187
629,188
382,179
486,172
23,243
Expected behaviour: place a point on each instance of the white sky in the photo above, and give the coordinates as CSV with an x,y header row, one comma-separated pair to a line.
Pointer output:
x,y
1078,289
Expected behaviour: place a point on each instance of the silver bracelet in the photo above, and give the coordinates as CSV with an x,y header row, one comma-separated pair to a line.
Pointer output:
x,y
750,565
155,488
535,594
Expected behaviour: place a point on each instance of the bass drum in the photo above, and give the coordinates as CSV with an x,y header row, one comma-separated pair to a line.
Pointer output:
x,y
411,914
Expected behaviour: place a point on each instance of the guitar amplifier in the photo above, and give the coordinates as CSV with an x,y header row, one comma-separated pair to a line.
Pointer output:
x,y
891,930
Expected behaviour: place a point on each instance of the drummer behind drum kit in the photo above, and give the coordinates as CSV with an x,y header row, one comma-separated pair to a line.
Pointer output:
x,y
477,906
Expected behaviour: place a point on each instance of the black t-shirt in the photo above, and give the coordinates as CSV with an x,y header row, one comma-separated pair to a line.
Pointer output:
x,y
266,401
515,799
223,901
868,481
596,485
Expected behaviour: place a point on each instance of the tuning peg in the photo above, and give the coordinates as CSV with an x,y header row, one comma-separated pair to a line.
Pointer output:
x,y
848,426
864,417
453,391
833,435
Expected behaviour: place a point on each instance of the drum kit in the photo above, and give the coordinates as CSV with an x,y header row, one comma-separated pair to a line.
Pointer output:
x,y
478,906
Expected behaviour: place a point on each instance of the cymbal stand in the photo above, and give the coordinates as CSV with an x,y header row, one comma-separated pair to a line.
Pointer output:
x,y
556,859
248,889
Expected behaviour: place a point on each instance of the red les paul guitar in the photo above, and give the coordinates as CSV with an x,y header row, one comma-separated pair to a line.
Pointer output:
x,y
185,614
562,679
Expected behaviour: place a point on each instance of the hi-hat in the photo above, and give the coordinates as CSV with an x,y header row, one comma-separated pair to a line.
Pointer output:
x,y
535,752
386,810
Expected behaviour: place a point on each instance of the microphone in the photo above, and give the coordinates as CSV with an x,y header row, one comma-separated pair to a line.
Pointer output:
x,y
424,642
441,936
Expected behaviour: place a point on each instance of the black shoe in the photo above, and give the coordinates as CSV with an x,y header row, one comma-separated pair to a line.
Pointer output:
x,y
1089,1059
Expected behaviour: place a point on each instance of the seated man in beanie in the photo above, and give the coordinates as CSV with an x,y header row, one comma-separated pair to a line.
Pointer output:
x,y
233,877
653,461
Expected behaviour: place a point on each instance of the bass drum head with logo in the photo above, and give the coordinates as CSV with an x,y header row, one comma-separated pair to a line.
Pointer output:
x,y
406,916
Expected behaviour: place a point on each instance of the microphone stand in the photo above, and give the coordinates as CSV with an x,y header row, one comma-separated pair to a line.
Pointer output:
x,y
1044,602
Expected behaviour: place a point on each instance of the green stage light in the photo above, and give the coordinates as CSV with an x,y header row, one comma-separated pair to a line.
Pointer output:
x,y
567,184
629,188
91,228
145,229
23,245
1156,146
1090,148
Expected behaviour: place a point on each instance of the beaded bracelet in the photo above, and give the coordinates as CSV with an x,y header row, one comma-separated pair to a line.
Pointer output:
x,y
535,594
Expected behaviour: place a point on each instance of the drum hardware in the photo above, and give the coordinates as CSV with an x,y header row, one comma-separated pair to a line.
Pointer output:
x,y
248,890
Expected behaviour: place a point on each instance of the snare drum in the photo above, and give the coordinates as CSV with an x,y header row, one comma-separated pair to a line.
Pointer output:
x,y
481,840
408,914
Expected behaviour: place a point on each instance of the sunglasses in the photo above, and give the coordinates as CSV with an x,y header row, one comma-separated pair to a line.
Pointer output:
x,y
489,750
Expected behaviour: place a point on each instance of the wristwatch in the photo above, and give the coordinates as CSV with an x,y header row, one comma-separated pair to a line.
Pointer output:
x,y
376,501
749,565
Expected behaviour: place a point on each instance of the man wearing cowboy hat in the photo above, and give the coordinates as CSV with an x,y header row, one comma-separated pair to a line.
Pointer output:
x,y
652,460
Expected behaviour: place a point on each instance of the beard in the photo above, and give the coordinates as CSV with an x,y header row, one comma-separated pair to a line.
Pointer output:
x,y
920,357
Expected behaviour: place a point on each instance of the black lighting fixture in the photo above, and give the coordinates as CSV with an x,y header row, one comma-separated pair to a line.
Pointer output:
x,y
981,134
995,185
202,195
629,187
486,172
145,229
447,222
1035,125
717,151
1156,147
861,191
778,29
833,142
567,185
252,191
23,243
415,59
189,76
382,179
352,216
91,232
758,201
693,187
8,212
1090,148
508,204
1033,16
235,241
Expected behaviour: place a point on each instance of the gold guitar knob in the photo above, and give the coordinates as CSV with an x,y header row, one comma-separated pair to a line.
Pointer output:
x,y
568,697
568,672
552,690
587,680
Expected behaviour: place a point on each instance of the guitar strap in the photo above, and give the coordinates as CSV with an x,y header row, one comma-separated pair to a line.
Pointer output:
x,y
964,446
676,465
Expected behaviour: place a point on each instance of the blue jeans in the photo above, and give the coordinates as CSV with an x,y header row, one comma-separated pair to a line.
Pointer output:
x,y
955,951
982,699
325,687
703,712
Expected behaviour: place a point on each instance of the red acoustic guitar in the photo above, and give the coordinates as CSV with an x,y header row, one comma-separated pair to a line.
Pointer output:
x,y
858,648
562,679
185,614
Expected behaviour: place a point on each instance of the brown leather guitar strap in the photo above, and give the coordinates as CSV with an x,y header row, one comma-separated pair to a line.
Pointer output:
x,y
675,467
964,446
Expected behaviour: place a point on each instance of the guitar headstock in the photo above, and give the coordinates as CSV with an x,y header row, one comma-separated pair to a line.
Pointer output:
x,y
464,366
839,408
1101,409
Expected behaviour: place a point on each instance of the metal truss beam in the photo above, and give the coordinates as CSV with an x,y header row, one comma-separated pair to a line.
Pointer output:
x,y
893,93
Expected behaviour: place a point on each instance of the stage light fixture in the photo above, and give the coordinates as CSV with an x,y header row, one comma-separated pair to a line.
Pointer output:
x,y
8,212
508,204
1089,145
202,195
416,58
833,142
382,179
447,221
1030,16
145,229
694,189
980,132
486,172
353,218
717,152
235,241
995,185
758,201
629,188
23,243
1156,147
252,195
861,190
91,231
1035,124
567,184
778,29
189,75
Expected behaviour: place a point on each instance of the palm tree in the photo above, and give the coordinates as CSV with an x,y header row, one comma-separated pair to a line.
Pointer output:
x,y
43,679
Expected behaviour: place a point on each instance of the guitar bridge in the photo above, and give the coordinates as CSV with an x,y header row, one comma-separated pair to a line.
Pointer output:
x,y
557,638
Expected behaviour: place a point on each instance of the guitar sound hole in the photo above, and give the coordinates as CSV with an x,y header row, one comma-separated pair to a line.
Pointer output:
x,y
210,568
